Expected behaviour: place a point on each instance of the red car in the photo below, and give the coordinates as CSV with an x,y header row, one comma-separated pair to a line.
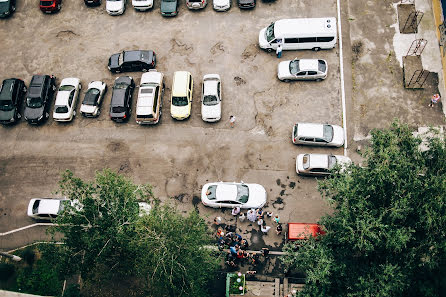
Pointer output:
x,y
298,231
50,6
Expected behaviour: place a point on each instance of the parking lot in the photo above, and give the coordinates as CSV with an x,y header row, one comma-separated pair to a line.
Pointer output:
x,y
177,158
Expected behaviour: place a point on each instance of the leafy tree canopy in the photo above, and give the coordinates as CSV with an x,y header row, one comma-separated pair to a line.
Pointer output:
x,y
387,235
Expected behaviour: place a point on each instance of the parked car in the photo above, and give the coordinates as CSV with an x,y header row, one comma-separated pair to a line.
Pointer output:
x,y
246,3
303,231
196,4
221,5
227,194
319,164
91,105
12,92
50,6
140,60
93,2
181,100
38,98
121,100
46,208
142,5
7,7
302,69
169,7
115,7
318,134
66,99
150,98
211,98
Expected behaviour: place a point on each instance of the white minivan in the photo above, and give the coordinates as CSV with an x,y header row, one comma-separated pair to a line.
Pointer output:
x,y
296,34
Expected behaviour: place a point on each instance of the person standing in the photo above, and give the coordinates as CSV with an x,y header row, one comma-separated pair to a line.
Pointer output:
x,y
235,210
232,121
276,219
279,229
279,49
265,229
434,100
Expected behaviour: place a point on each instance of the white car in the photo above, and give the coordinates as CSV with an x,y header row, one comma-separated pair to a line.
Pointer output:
x,y
66,99
211,98
319,164
225,194
221,5
318,134
150,98
115,7
91,105
302,69
142,5
46,208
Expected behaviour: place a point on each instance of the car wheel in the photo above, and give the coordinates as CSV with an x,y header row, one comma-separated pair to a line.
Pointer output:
x,y
98,113
286,80
74,114
117,71
24,89
59,6
144,70
13,8
47,115
54,88
319,79
19,116
269,50
316,49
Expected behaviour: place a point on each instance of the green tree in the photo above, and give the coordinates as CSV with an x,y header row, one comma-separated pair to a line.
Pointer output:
x,y
387,235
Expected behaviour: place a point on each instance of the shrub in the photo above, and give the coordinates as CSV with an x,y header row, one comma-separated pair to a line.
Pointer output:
x,y
6,271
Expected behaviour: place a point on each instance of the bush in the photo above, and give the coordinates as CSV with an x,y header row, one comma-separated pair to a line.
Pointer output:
x,y
6,271
72,291
29,255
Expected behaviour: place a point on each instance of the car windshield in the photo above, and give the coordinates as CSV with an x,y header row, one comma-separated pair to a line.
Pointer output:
x,y
61,109
306,161
269,33
328,133
33,102
242,193
322,66
62,205
46,3
118,109
169,0
294,67
120,86
211,191
6,105
179,101
91,97
66,88
331,161
210,100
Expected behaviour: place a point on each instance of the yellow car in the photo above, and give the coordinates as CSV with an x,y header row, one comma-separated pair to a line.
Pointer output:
x,y
181,100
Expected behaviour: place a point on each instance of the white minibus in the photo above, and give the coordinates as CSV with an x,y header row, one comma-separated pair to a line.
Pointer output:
x,y
296,34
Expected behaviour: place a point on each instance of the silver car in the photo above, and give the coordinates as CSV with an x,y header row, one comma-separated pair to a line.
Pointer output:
x,y
319,164
302,69
318,134
196,4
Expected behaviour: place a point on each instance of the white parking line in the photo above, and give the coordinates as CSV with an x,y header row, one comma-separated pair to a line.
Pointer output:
x,y
341,60
27,227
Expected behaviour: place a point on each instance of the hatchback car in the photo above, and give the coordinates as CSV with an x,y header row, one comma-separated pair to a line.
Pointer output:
x,y
38,98
221,5
46,208
150,98
224,194
142,5
66,99
302,69
169,7
115,7
181,100
12,92
50,6
318,134
121,98
246,3
196,4
91,105
7,7
319,164
211,98
127,61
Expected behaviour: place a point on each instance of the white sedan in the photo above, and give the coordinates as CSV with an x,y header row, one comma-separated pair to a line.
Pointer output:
x,y
66,99
142,5
46,208
302,69
221,5
92,101
211,98
225,194
115,7
319,164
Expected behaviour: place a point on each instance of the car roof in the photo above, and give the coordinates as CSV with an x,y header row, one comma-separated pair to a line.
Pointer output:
x,y
137,55
318,161
62,97
310,130
308,64
305,26
146,99
226,192
179,86
151,77
210,87
49,206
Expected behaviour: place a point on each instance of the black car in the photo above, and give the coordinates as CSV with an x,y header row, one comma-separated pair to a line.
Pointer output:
x,y
11,97
92,2
38,98
121,98
132,61
246,3
7,8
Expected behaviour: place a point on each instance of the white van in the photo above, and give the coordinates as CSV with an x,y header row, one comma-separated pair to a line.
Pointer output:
x,y
296,34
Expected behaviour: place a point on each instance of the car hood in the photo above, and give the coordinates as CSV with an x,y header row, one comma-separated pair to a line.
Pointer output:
x,y
221,2
6,115
114,5
283,69
33,113
257,196
88,108
213,111
179,111
168,6
141,3
338,136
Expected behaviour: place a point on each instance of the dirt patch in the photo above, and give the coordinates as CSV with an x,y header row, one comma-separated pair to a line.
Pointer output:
x,y
66,35
357,50
250,52
279,201
180,47
116,146
195,201
282,193
239,81
217,49
278,181
292,185
125,167
183,197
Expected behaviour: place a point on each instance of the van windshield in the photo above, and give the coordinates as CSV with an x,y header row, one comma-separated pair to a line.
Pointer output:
x,y
269,33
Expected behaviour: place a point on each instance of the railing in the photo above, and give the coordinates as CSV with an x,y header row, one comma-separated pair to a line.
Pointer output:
x,y
26,236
